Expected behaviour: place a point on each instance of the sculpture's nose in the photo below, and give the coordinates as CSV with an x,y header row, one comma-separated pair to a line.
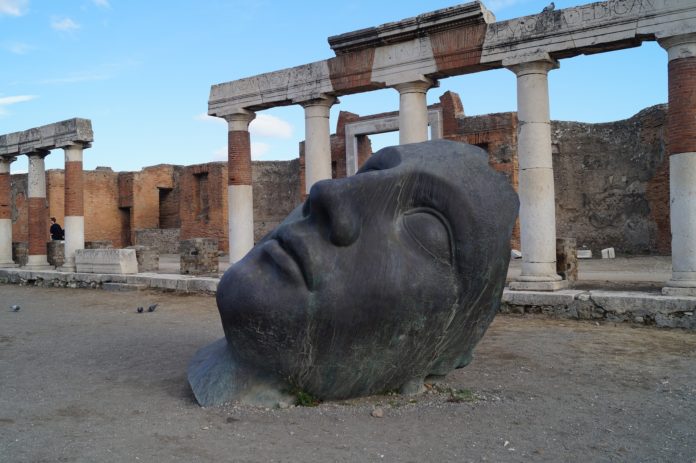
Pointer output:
x,y
333,205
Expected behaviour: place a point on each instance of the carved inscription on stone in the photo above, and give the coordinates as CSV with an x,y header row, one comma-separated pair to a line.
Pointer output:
x,y
582,17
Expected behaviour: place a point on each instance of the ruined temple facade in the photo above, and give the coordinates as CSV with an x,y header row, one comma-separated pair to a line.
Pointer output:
x,y
611,184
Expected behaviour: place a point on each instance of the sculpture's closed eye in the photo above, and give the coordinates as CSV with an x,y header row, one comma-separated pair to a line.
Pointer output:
x,y
431,231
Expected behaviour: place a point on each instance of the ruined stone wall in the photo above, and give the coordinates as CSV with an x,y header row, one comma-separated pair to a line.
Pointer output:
x,y
203,202
146,195
102,215
612,183
276,193
20,211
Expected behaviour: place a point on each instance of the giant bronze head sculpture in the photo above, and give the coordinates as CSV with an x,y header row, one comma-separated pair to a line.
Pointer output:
x,y
376,282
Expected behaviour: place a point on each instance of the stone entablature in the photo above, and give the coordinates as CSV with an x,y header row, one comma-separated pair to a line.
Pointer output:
x,y
467,14
470,47
591,28
48,137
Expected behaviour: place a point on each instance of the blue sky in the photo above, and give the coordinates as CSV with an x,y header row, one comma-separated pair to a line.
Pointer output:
x,y
142,71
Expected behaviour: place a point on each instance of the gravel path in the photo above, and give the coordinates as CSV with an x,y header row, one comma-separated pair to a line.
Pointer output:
x,y
83,377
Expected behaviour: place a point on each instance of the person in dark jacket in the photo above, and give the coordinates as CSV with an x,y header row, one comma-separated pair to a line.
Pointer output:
x,y
57,233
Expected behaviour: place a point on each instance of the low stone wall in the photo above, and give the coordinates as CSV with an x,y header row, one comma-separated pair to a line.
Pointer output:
x,y
162,240
99,244
199,256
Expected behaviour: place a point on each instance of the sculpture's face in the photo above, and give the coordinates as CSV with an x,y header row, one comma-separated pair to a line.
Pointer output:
x,y
357,286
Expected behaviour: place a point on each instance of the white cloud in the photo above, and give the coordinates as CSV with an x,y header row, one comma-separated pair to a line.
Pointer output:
x,y
13,7
18,48
266,125
102,3
64,24
258,151
8,100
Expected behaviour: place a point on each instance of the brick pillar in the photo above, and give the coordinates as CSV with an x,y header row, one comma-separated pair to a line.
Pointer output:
x,y
6,213
681,146
413,111
240,201
317,140
74,205
38,211
536,187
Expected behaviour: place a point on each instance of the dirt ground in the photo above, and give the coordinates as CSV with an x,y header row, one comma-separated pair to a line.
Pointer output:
x,y
83,377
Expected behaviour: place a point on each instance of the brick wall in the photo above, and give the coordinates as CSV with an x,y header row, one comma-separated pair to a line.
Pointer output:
x,y
203,202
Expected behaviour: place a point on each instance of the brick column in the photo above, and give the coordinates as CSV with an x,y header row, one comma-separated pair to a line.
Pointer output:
x,y
6,213
317,140
240,201
681,146
536,187
74,222
38,220
413,111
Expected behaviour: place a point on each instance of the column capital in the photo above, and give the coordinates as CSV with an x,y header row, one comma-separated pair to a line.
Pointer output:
x,y
416,86
536,63
679,46
326,101
5,162
76,144
239,120
37,153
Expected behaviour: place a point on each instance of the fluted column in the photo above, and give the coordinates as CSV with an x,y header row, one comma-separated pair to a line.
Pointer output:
x,y
317,140
681,146
536,186
240,200
413,111
6,213
38,220
74,222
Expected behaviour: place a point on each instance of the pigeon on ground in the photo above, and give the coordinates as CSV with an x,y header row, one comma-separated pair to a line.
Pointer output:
x,y
140,310
15,308
550,7
152,308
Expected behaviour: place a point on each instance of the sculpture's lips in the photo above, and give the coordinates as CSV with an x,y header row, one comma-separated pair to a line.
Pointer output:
x,y
286,258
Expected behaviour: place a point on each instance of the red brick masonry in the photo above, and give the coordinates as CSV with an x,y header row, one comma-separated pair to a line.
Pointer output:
x,y
74,201
5,197
38,226
681,116
239,157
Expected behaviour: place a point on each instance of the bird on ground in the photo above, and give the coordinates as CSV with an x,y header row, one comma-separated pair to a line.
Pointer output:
x,y
152,308
550,7
140,310
15,308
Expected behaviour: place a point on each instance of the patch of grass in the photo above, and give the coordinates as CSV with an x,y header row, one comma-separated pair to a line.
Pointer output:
x,y
305,399
462,395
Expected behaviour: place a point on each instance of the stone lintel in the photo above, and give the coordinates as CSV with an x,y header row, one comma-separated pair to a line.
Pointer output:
x,y
463,15
586,29
48,137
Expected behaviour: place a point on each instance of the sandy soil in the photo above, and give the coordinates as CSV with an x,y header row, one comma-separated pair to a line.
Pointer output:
x,y
83,377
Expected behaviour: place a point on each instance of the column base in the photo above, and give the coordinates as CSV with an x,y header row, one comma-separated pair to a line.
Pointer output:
x,y
8,265
538,285
67,268
684,291
38,262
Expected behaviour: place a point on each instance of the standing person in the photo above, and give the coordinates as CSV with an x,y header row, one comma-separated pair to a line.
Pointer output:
x,y
57,233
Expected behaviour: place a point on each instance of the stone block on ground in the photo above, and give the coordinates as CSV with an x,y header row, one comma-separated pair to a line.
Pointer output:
x,y
199,256
55,252
118,261
147,257
566,259
608,253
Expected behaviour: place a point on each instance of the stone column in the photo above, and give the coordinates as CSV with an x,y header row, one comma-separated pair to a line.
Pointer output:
x,y
317,140
6,213
413,111
681,136
74,222
240,201
38,220
536,187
